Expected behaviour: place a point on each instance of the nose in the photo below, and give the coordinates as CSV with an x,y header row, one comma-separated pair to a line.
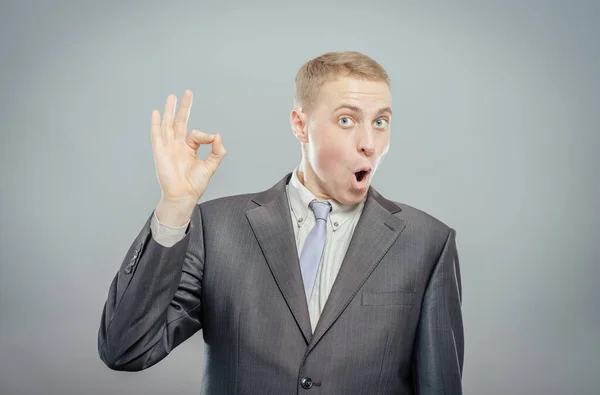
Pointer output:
x,y
366,141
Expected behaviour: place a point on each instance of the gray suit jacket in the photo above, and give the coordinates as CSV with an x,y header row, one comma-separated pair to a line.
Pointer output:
x,y
392,323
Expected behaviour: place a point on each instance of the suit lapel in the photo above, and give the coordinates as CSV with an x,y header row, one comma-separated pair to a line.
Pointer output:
x,y
272,226
375,232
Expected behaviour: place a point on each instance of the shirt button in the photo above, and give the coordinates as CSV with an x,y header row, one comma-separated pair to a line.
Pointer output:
x,y
306,383
336,224
300,219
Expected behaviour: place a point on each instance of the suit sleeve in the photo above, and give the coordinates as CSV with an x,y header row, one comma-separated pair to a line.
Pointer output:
x,y
154,300
439,347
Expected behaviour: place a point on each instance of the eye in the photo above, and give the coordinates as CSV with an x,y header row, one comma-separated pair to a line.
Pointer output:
x,y
381,123
345,121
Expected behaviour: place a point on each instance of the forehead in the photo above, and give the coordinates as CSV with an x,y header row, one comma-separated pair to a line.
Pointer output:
x,y
357,92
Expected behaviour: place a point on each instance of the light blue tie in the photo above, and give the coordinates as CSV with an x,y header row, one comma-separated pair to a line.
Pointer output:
x,y
313,247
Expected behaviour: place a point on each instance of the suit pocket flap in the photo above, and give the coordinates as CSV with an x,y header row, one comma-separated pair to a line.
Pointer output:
x,y
387,298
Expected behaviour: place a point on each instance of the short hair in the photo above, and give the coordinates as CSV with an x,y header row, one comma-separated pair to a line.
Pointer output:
x,y
330,66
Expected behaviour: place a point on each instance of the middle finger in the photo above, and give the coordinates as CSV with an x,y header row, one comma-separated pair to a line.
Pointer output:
x,y
183,115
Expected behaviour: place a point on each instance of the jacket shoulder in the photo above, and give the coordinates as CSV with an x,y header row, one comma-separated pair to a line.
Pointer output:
x,y
245,201
231,207
423,222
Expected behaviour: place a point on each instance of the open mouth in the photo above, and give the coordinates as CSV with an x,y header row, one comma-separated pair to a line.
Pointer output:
x,y
361,175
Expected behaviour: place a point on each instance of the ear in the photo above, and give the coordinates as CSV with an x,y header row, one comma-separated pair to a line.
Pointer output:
x,y
298,121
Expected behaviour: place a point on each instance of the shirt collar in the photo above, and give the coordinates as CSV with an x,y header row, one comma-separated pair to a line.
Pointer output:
x,y
300,197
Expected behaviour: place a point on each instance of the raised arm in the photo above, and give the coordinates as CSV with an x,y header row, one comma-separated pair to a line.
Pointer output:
x,y
154,301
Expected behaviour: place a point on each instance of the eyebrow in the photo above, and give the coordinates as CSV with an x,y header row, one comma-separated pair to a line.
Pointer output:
x,y
358,110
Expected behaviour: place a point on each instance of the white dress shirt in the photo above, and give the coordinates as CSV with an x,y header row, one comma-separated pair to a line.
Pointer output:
x,y
340,227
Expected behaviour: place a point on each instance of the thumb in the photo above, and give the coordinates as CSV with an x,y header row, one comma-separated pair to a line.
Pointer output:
x,y
216,155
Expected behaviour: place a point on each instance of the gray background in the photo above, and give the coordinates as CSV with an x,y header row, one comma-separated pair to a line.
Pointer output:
x,y
495,133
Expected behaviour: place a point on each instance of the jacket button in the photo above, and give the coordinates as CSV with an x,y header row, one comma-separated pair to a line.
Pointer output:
x,y
128,269
306,383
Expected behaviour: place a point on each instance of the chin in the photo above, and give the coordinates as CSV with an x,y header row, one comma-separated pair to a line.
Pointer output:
x,y
351,197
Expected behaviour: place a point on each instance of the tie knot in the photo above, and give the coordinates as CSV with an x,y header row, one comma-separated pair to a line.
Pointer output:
x,y
321,208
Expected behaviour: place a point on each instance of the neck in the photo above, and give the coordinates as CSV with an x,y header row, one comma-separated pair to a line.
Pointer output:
x,y
308,178
304,175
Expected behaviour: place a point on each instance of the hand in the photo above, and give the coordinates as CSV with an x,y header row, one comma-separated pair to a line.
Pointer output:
x,y
183,177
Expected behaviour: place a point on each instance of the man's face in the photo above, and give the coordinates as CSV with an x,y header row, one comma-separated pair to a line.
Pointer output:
x,y
345,137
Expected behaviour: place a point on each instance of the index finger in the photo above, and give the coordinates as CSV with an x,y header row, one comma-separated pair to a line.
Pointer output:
x,y
183,114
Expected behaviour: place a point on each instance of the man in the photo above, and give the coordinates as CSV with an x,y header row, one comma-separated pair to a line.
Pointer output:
x,y
318,285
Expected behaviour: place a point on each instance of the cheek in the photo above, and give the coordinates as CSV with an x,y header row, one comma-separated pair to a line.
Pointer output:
x,y
329,153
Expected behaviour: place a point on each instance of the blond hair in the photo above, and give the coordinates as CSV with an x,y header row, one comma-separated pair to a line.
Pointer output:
x,y
330,66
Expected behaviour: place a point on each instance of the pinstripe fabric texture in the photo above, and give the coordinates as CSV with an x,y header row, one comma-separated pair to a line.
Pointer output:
x,y
391,323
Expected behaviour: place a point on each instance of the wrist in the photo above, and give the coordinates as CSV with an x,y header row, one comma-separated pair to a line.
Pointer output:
x,y
174,213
